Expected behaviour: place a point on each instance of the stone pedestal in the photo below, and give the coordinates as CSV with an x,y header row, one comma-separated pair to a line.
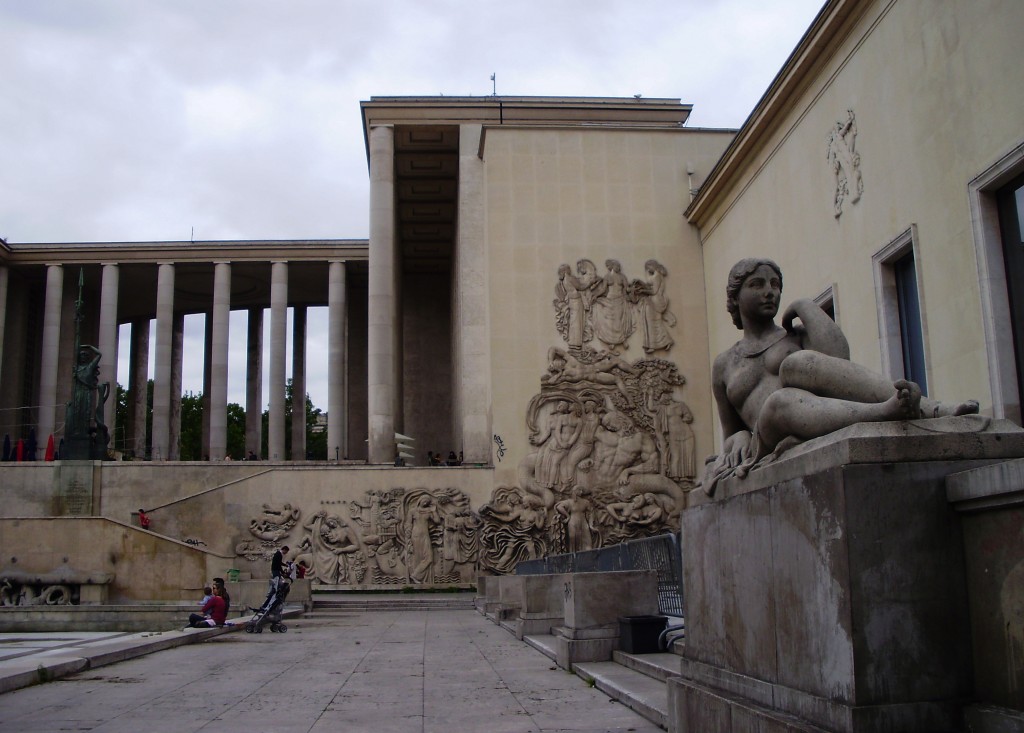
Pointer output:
x,y
593,604
543,604
828,590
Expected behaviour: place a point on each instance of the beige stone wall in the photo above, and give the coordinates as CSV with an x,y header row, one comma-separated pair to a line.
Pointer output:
x,y
556,196
145,566
938,98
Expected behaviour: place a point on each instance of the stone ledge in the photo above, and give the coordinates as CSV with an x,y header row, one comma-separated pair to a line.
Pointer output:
x,y
968,437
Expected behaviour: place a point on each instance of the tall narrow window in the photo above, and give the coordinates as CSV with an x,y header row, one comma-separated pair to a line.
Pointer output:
x,y
911,337
901,318
1010,199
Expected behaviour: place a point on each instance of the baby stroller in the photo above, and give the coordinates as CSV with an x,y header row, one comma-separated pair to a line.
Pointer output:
x,y
270,611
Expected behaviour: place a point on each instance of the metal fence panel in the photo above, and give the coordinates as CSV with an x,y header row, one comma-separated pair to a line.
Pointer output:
x,y
661,554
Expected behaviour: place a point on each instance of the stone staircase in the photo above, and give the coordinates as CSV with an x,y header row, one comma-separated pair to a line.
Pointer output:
x,y
337,604
638,681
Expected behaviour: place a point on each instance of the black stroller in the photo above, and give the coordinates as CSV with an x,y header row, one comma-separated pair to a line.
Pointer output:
x,y
270,611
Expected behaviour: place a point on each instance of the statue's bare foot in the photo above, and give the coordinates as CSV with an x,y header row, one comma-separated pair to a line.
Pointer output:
x,y
908,399
946,409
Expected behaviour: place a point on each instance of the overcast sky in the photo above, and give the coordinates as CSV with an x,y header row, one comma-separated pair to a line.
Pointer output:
x,y
133,120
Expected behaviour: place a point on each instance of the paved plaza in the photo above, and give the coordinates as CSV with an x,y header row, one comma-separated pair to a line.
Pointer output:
x,y
402,671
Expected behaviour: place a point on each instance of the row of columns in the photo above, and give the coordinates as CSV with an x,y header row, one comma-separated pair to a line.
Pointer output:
x,y
168,355
471,357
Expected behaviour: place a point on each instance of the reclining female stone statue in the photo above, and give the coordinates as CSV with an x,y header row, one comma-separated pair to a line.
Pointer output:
x,y
780,385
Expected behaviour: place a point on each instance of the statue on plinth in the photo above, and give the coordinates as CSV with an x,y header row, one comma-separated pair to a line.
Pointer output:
x,y
781,385
86,436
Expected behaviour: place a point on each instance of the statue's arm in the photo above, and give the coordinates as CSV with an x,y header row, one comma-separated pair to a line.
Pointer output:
x,y
819,332
736,435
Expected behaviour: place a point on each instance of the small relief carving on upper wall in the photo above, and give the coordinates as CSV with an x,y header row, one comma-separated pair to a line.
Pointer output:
x,y
610,308
844,160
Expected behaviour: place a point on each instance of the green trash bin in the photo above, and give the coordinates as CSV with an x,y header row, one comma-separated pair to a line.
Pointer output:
x,y
233,575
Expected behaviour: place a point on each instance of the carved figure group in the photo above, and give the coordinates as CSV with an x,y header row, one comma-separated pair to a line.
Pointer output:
x,y
608,308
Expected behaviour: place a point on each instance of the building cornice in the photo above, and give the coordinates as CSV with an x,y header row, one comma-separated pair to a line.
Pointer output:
x,y
613,112
183,251
826,33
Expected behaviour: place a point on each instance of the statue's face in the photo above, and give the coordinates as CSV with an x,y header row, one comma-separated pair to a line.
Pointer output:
x,y
759,296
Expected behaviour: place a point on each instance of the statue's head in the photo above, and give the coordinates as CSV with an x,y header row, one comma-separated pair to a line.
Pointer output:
x,y
653,266
737,276
613,265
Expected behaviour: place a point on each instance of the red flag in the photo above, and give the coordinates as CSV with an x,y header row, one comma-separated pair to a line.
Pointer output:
x,y
49,448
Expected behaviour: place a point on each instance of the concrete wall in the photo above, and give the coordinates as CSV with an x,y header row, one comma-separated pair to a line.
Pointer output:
x,y
938,99
145,566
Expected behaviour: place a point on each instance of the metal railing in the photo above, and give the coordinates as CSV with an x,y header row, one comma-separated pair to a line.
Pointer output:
x,y
661,554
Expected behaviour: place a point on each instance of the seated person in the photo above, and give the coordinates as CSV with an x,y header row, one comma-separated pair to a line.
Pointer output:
x,y
214,612
783,384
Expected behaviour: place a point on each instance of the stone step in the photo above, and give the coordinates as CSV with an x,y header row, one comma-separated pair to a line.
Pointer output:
x,y
544,643
392,602
636,690
659,666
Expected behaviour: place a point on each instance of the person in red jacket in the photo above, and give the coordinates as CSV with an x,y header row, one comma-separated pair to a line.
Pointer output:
x,y
143,519
215,612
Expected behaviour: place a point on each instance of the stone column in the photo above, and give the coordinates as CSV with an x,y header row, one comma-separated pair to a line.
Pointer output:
x,y
299,384
3,316
138,384
336,352
163,356
108,342
254,383
278,340
471,375
177,357
382,321
219,361
51,351
207,381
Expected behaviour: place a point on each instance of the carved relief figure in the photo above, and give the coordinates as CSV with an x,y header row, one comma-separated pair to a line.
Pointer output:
x,y
560,433
421,516
675,437
513,530
844,161
590,421
781,385
576,511
275,523
335,549
460,547
654,312
612,312
573,295
586,366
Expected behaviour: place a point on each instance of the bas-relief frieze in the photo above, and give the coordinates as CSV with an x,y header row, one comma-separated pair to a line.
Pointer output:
x,y
613,455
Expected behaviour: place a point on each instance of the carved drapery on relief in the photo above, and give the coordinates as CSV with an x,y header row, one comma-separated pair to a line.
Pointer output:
x,y
844,160
611,308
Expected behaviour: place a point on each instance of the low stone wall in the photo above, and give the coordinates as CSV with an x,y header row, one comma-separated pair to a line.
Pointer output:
x,y
139,566
133,618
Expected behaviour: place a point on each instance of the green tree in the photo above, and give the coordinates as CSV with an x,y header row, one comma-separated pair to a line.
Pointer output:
x,y
316,441
190,440
236,431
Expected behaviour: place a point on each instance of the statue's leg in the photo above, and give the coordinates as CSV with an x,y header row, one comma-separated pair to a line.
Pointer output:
x,y
803,415
829,376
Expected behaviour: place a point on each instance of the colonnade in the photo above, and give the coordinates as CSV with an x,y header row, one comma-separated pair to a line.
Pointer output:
x,y
168,355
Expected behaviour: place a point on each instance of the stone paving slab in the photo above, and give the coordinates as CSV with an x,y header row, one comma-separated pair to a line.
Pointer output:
x,y
416,672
